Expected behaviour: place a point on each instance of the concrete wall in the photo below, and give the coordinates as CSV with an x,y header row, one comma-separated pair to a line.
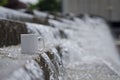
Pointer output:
x,y
108,9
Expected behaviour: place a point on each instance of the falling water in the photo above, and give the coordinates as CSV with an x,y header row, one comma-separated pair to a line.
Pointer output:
x,y
78,49
88,44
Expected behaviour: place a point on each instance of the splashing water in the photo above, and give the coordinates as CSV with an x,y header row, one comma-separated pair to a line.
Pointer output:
x,y
87,53
89,44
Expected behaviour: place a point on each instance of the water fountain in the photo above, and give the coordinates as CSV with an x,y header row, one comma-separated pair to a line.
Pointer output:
x,y
78,49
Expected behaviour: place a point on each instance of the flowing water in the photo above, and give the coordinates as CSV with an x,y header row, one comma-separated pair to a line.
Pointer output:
x,y
88,50
78,49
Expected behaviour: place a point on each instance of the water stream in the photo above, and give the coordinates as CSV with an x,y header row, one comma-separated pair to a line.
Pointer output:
x,y
78,49
88,43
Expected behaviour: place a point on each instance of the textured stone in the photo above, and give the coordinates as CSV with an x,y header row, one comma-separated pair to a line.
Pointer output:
x,y
10,32
92,71
83,46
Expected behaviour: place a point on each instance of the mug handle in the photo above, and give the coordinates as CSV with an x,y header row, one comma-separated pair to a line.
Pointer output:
x,y
43,43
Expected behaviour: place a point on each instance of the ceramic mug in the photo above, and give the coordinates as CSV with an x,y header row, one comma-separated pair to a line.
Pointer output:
x,y
30,43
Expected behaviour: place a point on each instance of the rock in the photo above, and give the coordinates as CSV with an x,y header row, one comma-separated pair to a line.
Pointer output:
x,y
10,32
80,48
57,61
41,17
15,66
47,66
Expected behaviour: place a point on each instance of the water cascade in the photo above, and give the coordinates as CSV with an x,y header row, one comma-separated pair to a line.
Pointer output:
x,y
77,49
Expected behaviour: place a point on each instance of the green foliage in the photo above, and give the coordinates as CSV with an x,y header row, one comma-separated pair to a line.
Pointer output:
x,y
32,6
47,5
3,2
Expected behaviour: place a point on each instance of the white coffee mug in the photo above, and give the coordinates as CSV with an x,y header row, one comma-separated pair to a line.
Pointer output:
x,y
30,43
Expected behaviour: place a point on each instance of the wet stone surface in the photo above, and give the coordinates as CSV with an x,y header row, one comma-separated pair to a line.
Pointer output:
x,y
10,32
77,49
94,71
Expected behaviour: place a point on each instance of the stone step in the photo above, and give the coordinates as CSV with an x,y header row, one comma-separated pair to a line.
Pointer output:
x,y
92,71
15,15
36,17
10,32
14,65
77,43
